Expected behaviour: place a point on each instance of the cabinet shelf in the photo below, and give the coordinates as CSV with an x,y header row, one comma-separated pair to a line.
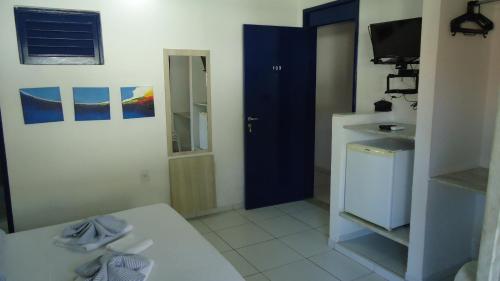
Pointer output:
x,y
408,133
382,253
475,180
399,235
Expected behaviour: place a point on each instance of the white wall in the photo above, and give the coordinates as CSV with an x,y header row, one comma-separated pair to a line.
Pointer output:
x,y
454,118
304,4
334,77
493,86
459,102
371,80
371,77
489,259
62,171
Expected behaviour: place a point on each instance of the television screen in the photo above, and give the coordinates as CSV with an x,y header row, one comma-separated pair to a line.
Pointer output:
x,y
398,41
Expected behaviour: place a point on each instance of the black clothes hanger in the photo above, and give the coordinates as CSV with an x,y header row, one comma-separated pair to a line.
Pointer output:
x,y
485,25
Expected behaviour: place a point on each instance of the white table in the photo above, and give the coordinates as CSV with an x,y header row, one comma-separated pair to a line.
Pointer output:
x,y
179,251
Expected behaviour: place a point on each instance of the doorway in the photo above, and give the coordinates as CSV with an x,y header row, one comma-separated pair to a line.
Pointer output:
x,y
280,101
334,94
6,218
279,84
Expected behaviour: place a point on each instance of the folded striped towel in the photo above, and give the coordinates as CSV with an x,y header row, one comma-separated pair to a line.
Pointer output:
x,y
116,267
92,233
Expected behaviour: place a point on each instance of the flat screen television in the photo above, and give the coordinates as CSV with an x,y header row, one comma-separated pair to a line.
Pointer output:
x,y
396,42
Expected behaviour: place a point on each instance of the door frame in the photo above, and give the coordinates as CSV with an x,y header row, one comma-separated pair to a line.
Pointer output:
x,y
308,161
5,180
337,12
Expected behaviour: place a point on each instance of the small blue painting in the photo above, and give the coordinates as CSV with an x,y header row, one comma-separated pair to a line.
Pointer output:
x,y
137,102
91,104
41,105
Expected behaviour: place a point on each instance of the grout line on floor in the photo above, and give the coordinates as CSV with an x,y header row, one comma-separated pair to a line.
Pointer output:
x,y
279,238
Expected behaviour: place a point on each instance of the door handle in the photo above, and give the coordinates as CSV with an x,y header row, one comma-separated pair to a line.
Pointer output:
x,y
250,119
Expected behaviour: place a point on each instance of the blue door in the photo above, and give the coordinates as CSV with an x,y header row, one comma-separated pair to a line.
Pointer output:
x,y
279,101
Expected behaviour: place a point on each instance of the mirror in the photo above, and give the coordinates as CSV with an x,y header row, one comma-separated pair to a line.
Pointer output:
x,y
187,83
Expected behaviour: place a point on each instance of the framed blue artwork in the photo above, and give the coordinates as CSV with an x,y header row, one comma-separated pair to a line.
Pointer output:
x,y
137,102
91,104
41,105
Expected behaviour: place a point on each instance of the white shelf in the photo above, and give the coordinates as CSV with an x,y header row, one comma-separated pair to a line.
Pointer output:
x,y
408,133
399,235
201,104
475,180
380,251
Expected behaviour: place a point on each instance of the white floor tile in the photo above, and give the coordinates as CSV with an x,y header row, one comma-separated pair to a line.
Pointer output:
x,y
372,277
200,226
241,265
217,242
297,206
340,266
261,214
307,243
244,235
269,255
299,271
282,226
325,229
314,217
257,277
224,220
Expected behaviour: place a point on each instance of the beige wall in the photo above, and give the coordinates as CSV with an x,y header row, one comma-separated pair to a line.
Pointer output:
x,y
63,171
334,77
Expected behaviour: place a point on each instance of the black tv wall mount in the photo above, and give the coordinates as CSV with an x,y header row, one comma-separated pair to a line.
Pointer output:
x,y
403,72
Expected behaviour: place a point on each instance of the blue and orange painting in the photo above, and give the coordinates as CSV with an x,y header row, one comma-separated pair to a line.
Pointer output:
x,y
138,102
41,105
91,104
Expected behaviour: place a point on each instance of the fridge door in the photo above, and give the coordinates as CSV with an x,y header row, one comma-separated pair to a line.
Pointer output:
x,y
369,180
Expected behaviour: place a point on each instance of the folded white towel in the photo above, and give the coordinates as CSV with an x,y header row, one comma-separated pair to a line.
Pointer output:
x,y
64,242
130,244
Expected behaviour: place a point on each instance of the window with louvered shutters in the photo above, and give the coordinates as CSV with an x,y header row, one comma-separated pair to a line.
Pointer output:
x,y
47,36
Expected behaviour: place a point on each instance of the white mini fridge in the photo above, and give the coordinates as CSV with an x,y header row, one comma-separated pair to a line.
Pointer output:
x,y
379,175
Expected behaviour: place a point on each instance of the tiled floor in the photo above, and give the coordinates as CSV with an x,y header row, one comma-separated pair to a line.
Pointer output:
x,y
286,242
